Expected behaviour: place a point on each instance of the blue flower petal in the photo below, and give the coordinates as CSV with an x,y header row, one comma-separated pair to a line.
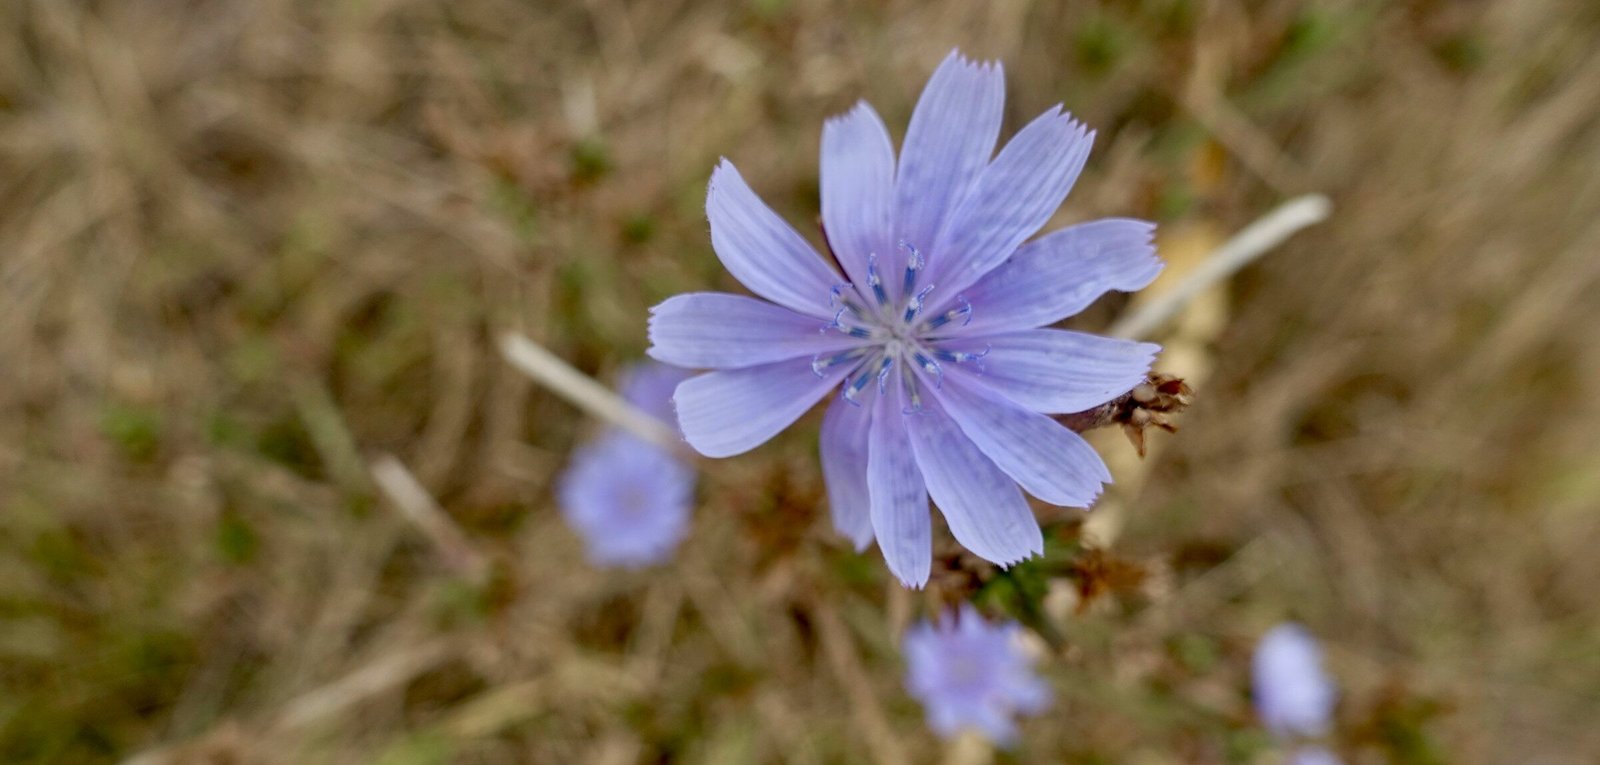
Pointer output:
x,y
713,330
844,469
948,143
1058,371
762,251
1061,273
733,411
1047,458
900,517
1013,198
982,505
858,189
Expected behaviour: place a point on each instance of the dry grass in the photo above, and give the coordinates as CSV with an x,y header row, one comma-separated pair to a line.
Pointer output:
x,y
246,247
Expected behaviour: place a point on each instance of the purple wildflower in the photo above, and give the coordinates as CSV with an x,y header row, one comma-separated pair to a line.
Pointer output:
x,y
931,329
628,498
970,674
1293,696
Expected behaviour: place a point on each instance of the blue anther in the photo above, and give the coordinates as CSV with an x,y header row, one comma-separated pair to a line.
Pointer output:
x,y
914,306
961,357
964,313
838,295
913,265
917,261
833,324
820,362
874,281
851,331
883,373
931,367
852,390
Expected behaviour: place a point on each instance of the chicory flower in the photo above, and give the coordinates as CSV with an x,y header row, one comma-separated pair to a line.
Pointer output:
x,y
930,326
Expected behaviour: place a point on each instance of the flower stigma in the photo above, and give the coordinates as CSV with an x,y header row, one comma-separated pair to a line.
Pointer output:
x,y
895,335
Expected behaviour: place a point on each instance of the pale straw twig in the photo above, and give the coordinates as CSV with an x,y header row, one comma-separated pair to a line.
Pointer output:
x,y
1250,243
392,669
324,705
848,670
418,506
583,392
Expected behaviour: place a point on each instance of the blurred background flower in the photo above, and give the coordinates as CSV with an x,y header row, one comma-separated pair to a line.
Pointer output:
x,y
630,499
1294,696
1312,755
970,674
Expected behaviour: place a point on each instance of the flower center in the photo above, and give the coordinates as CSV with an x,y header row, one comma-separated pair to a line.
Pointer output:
x,y
966,673
895,332
633,502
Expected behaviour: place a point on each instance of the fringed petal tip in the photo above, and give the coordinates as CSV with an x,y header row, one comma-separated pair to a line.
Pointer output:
x,y
1136,246
989,66
721,173
912,585
1007,564
858,110
1095,497
1015,194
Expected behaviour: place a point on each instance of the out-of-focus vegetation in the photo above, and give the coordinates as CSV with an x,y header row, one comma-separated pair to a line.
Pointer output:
x,y
248,245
